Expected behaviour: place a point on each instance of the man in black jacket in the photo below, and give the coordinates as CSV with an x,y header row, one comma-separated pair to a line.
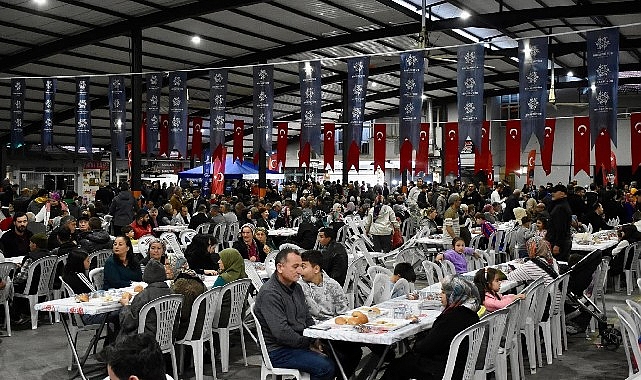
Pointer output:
x,y
334,255
558,233
200,217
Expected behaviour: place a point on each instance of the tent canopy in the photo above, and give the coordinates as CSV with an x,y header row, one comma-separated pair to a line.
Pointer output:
x,y
233,170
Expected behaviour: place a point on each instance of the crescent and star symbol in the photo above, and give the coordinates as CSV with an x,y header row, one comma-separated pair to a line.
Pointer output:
x,y
220,177
379,135
452,134
582,129
423,135
329,135
548,131
483,132
531,161
282,132
515,134
637,127
239,130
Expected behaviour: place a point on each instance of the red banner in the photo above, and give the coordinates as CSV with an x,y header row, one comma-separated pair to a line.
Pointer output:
x,y
273,162
353,156
218,179
635,140
602,150
328,145
303,155
548,145
422,152
197,137
481,156
531,157
513,147
613,168
406,155
451,148
281,143
380,134
582,144
490,170
239,133
143,134
163,148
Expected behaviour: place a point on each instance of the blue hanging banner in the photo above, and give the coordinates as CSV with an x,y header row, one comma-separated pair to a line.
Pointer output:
x,y
357,75
217,105
310,104
48,107
154,88
470,82
118,114
178,112
18,89
263,108
206,183
603,79
83,116
411,92
533,81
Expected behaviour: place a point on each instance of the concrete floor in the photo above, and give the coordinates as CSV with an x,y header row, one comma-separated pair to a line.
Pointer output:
x,y
43,354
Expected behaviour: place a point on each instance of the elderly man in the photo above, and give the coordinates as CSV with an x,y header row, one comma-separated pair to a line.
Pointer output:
x,y
68,222
558,233
334,255
451,227
283,314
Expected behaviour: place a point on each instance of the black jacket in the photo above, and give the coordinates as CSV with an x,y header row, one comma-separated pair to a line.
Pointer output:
x,y
95,240
198,219
335,261
558,232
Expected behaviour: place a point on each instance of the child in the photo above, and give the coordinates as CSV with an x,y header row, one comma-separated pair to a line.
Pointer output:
x,y
488,281
487,229
456,255
522,234
128,232
405,271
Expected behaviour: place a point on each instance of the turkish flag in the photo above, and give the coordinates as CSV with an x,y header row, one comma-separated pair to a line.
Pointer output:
x,y
380,134
218,179
582,144
482,155
273,162
353,156
548,145
613,168
531,157
512,146
422,152
490,170
405,155
163,149
143,134
239,133
303,155
328,145
602,150
281,144
635,140
451,148
197,137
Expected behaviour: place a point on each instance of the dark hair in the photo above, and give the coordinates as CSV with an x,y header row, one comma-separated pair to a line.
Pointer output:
x,y
63,234
329,232
455,239
137,355
199,245
479,215
18,214
406,271
95,223
201,208
543,220
131,260
75,261
126,229
313,256
281,256
525,219
595,206
482,279
141,213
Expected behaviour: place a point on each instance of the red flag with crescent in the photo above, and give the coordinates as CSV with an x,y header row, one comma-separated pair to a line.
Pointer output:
x,y
273,162
548,145
602,150
422,152
531,157
281,143
218,179
197,137
582,144
635,140
239,133
406,155
143,133
451,148
163,148
353,156
512,146
490,170
303,155
482,155
328,145
613,168
380,134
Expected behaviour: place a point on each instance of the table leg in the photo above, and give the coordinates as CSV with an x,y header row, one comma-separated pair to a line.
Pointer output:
x,y
340,366
92,343
372,376
72,346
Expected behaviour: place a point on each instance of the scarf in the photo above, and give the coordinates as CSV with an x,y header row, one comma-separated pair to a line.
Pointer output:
x,y
234,265
459,292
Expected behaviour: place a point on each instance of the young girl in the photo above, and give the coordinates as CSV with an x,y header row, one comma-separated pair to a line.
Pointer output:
x,y
488,281
541,226
457,255
522,234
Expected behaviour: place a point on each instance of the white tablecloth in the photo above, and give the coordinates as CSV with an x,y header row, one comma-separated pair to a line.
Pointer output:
x,y
603,245
15,260
284,232
176,229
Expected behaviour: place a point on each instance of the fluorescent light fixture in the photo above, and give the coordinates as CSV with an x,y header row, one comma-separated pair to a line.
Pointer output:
x,y
195,40
40,2
570,74
593,87
465,15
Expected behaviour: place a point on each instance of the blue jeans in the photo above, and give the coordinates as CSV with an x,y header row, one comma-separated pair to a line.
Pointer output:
x,y
318,366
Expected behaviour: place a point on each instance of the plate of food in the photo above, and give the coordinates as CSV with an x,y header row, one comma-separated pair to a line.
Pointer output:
x,y
356,318
388,323
373,311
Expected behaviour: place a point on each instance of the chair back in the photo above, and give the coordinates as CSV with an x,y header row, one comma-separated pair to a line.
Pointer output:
x,y
341,234
372,271
512,325
58,268
380,291
296,222
218,232
97,277
238,290
402,286
101,256
498,324
143,244
447,267
253,275
431,268
166,309
231,232
635,312
473,263
270,262
5,269
47,265
476,241
532,293
203,228
630,339
171,242
261,340
185,236
474,335
353,277
412,255
207,300
600,279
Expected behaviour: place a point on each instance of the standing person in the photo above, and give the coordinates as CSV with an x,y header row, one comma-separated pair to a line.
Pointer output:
x,y
121,268
335,258
558,231
451,227
511,203
381,223
123,208
283,314
307,230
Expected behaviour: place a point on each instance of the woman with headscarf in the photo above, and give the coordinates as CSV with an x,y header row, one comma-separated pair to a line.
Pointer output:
x,y
381,223
427,360
232,268
350,208
249,248
307,231
187,283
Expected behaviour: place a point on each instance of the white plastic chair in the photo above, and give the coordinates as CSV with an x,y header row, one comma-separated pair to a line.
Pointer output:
x,y
101,256
231,233
296,222
430,268
196,341
238,291
474,335
185,236
630,273
5,270
46,265
447,267
635,312
203,228
509,346
372,271
596,292
630,340
56,293
380,291
143,244
496,331
166,309
270,263
527,325
219,232
355,270
171,242
253,275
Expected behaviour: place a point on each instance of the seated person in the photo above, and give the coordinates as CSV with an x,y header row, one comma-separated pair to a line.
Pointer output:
x,y
249,248
128,231
261,234
231,267
487,229
140,225
187,283
402,271
429,220
38,250
96,238
427,360
307,230
122,267
522,234
201,255
334,255
488,282
136,357
457,255
156,252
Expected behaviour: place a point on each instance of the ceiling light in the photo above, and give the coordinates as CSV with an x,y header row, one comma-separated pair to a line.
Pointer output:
x,y
40,2
465,15
195,40
593,87
570,74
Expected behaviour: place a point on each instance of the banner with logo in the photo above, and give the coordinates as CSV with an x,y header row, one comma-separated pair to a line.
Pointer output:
x,y
548,145
470,82
533,81
328,145
482,155
380,145
217,106
422,151
582,145
281,145
531,157
178,112
310,108
405,156
206,182
50,86
163,147
451,148
196,137
18,89
411,92
83,116
635,140
357,74
118,114
239,133
154,89
512,147
263,109
603,79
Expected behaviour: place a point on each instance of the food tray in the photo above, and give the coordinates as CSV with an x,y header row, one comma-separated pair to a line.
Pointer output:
x,y
388,323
